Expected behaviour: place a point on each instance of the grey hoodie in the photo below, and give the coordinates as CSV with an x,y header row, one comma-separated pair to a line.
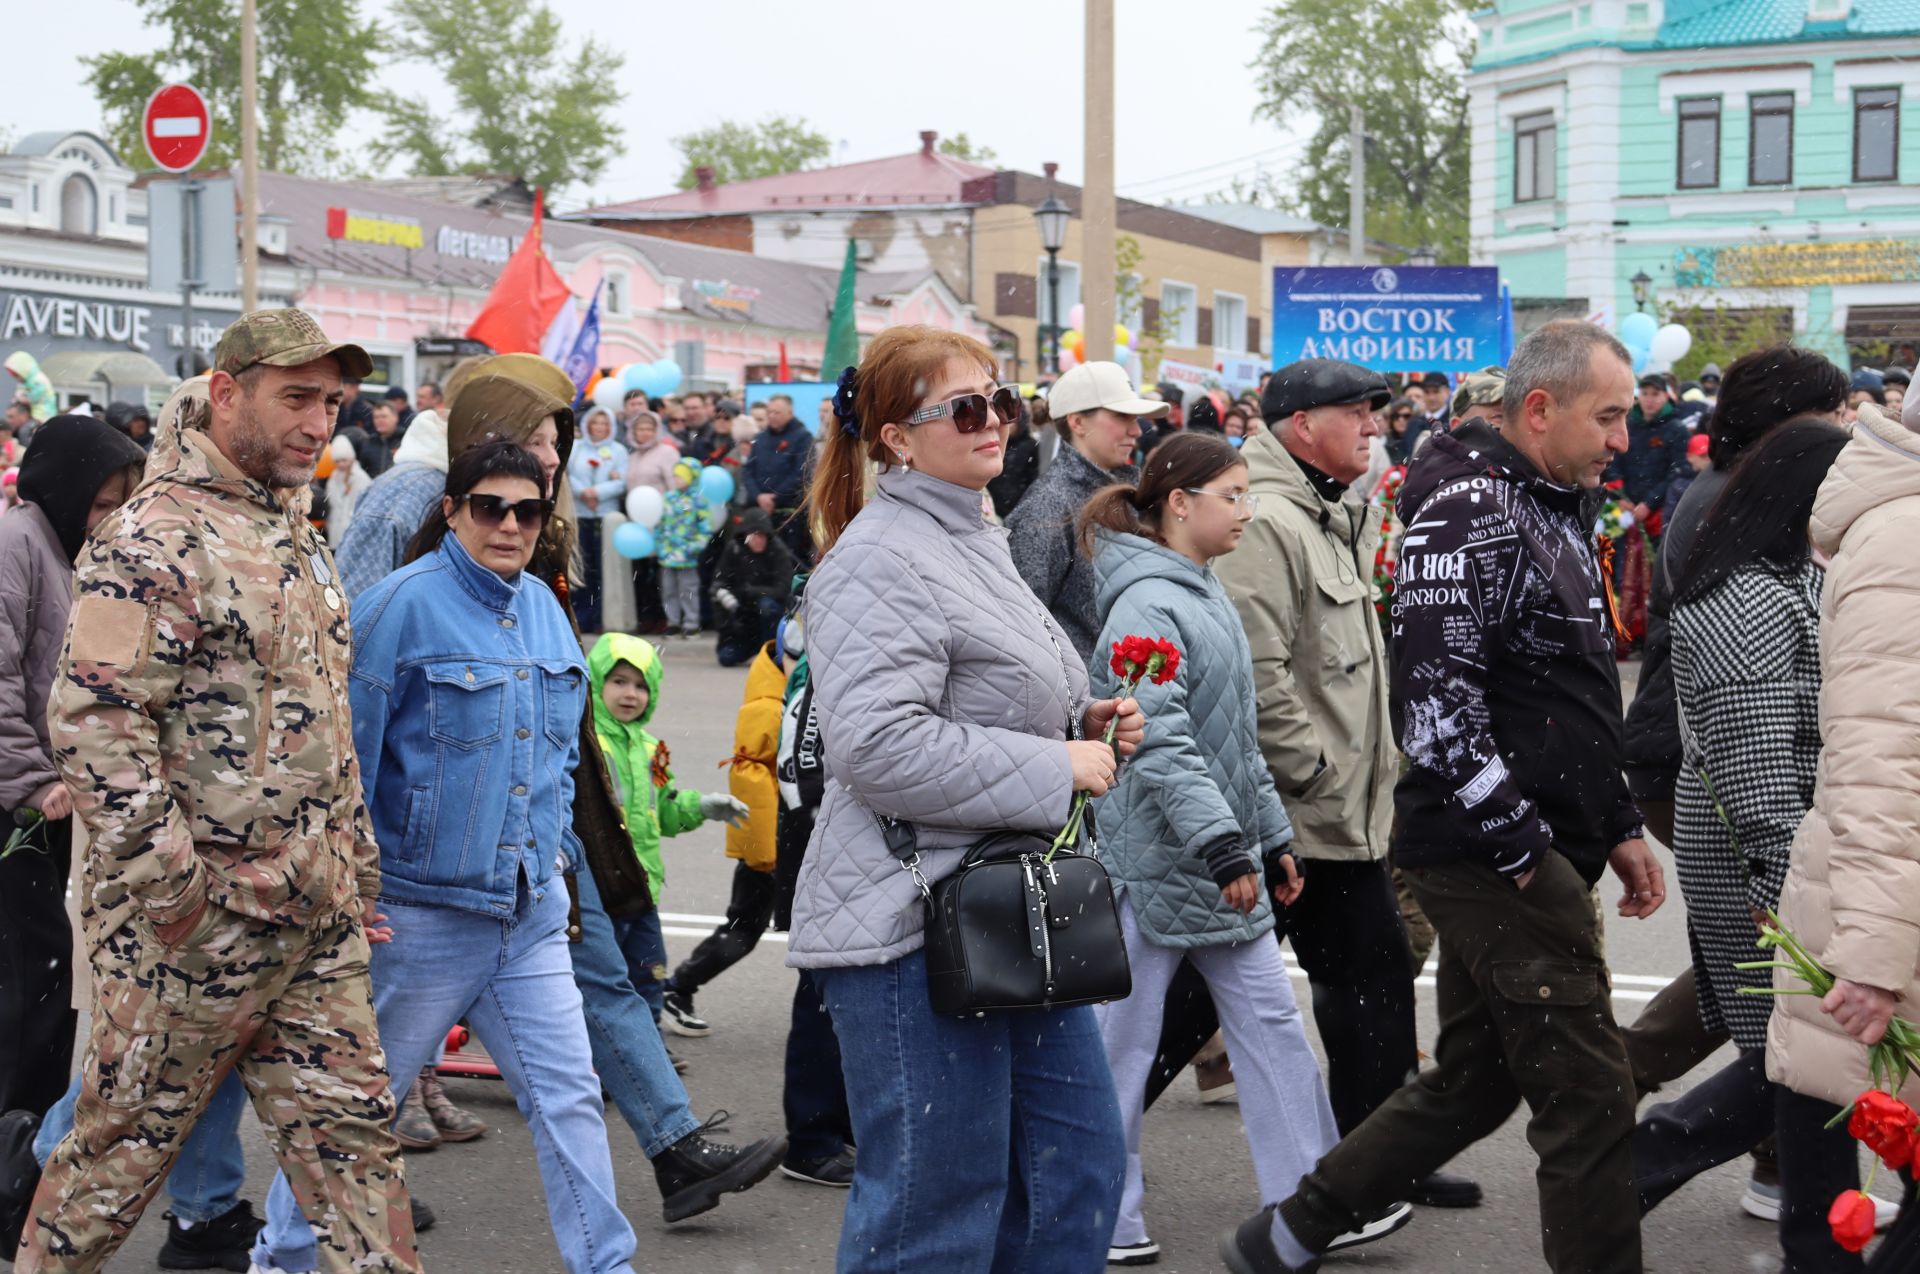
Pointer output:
x,y
1196,804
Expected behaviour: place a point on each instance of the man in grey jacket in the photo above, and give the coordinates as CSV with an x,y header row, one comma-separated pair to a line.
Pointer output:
x,y
1097,413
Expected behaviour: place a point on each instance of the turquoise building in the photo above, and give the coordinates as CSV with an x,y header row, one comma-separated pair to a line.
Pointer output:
x,y
1730,155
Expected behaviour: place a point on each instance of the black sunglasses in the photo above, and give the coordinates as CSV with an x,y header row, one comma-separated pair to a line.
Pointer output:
x,y
973,412
492,510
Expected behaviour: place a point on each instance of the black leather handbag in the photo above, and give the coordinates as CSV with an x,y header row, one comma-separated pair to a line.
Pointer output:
x,y
1010,930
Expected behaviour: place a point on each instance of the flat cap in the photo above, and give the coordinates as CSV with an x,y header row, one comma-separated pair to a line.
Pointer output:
x,y
1320,382
283,338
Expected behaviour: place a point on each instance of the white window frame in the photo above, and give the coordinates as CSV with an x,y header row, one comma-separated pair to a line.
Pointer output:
x,y
1223,337
1069,292
1187,334
618,293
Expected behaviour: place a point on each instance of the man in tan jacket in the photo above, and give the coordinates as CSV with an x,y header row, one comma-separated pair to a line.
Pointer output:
x,y
1302,581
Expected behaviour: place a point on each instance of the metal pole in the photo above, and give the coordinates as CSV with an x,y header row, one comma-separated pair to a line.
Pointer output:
x,y
189,267
1356,184
1097,207
249,158
1053,309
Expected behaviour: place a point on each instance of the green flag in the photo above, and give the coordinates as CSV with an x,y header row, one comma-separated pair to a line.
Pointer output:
x,y
843,341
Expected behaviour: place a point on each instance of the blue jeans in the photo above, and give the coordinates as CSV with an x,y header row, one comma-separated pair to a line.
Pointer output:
x,y
644,948
207,1177
815,1093
510,980
986,1144
627,1048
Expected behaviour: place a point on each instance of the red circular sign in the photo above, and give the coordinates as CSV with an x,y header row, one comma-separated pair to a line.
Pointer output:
x,y
177,126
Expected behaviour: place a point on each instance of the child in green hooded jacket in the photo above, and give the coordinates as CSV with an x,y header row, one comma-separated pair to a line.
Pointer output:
x,y
626,673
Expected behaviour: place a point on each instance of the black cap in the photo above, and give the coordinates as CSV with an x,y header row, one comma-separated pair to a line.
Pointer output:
x,y
397,393
1320,382
1656,380
1897,375
1436,380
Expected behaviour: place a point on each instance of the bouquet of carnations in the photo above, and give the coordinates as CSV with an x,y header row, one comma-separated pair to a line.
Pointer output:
x,y
1888,1126
1135,659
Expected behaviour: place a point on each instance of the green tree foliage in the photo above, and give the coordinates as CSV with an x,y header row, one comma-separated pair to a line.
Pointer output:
x,y
737,152
526,106
314,67
1404,62
963,148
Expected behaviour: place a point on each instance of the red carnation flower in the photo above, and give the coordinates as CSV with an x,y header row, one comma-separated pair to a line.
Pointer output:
x,y
1171,655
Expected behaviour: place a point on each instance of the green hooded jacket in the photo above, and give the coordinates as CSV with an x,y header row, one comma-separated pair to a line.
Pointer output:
x,y
654,807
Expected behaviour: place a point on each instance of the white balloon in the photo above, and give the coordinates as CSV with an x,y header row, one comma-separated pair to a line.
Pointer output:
x,y
1672,342
608,394
646,506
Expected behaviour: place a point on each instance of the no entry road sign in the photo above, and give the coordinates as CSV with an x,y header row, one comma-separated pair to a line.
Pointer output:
x,y
177,126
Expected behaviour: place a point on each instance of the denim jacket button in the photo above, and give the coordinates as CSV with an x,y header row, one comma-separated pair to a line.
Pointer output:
x,y
522,733
519,789
532,843
506,621
520,673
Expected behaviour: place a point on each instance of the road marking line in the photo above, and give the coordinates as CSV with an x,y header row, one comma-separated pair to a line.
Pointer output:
x,y
1636,987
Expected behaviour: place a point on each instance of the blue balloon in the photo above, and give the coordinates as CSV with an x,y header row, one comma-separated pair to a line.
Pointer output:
x,y
634,541
635,377
716,484
667,375
1641,357
1638,330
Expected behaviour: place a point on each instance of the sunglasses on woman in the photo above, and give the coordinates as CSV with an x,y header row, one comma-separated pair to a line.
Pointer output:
x,y
492,510
973,412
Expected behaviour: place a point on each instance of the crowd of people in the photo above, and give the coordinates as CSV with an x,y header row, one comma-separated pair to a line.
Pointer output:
x,y
303,852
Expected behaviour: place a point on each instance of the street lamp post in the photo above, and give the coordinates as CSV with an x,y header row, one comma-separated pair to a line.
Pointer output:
x,y
1642,287
1052,216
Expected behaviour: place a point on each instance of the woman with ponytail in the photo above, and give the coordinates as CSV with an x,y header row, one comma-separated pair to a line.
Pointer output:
x,y
949,699
1194,818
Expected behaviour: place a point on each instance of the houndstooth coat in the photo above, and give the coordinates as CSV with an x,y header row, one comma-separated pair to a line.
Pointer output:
x,y
1746,665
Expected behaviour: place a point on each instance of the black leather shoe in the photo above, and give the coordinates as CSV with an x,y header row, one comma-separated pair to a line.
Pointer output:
x,y
1445,1190
224,1243
694,1172
1248,1248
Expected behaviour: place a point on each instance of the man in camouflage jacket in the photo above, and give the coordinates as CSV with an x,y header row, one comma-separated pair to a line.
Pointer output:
x,y
201,720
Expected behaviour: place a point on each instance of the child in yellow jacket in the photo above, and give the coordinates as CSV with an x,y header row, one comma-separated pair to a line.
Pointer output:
x,y
756,738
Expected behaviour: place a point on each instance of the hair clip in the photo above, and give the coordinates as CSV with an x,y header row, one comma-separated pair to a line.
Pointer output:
x,y
843,406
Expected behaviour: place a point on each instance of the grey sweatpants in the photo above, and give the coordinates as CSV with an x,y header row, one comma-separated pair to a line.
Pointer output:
x,y
680,596
1283,1101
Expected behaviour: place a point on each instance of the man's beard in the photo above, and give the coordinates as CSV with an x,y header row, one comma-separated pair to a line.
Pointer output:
x,y
260,457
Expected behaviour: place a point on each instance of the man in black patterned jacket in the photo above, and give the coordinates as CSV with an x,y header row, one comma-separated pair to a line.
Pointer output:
x,y
1506,700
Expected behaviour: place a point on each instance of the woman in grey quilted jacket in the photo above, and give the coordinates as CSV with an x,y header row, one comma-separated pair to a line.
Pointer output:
x,y
946,696
1190,821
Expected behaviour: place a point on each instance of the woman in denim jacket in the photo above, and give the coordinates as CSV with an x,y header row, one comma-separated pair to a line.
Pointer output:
x,y
468,690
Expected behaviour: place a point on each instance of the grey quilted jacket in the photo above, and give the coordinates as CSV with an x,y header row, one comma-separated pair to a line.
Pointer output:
x,y
1198,776
942,700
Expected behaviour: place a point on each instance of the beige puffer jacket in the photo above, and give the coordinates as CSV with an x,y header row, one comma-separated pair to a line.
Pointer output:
x,y
1853,891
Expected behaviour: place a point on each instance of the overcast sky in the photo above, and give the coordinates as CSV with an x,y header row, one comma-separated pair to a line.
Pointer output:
x,y
870,74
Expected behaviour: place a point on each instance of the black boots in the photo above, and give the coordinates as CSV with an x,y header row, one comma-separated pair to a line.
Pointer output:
x,y
693,1172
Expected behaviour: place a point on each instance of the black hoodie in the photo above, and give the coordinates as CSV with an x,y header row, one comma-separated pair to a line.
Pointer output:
x,y
1505,694
70,460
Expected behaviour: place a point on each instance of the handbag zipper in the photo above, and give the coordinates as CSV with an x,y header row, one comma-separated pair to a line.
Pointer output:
x,y
1039,891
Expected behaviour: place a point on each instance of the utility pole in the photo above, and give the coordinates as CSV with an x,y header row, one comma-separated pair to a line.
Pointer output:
x,y
249,157
1356,184
1097,209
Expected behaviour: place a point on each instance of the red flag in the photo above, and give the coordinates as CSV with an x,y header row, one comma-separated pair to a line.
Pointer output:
x,y
525,298
784,374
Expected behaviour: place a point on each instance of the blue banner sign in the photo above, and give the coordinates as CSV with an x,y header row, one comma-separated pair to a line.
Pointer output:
x,y
1391,318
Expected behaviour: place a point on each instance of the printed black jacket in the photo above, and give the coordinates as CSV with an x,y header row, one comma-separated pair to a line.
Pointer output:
x,y
1505,695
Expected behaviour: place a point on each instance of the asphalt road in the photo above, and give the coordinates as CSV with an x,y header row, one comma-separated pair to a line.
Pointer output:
x,y
492,1219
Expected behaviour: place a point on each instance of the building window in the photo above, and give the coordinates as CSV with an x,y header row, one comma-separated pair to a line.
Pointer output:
x,y
1069,293
1699,143
79,206
1180,313
1876,134
614,295
1230,321
1770,152
1535,162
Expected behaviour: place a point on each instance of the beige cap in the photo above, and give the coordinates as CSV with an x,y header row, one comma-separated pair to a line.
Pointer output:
x,y
1097,386
283,338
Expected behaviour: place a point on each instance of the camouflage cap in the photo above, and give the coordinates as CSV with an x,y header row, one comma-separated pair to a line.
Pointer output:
x,y
283,338
1480,389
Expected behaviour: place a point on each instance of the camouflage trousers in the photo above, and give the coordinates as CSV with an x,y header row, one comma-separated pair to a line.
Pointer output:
x,y
290,1009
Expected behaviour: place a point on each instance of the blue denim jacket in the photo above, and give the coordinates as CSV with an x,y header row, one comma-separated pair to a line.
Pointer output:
x,y
468,691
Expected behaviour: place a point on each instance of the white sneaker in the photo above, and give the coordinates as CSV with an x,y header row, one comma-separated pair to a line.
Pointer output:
x,y
1763,1201
1379,1228
1145,1252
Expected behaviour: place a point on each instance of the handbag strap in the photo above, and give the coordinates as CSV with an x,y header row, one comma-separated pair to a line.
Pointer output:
x,y
904,844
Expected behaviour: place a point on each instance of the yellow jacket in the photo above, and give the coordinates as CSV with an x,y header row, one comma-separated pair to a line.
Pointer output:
x,y
756,737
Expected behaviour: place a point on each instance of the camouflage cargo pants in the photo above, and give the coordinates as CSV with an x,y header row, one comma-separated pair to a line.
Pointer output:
x,y
290,1009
